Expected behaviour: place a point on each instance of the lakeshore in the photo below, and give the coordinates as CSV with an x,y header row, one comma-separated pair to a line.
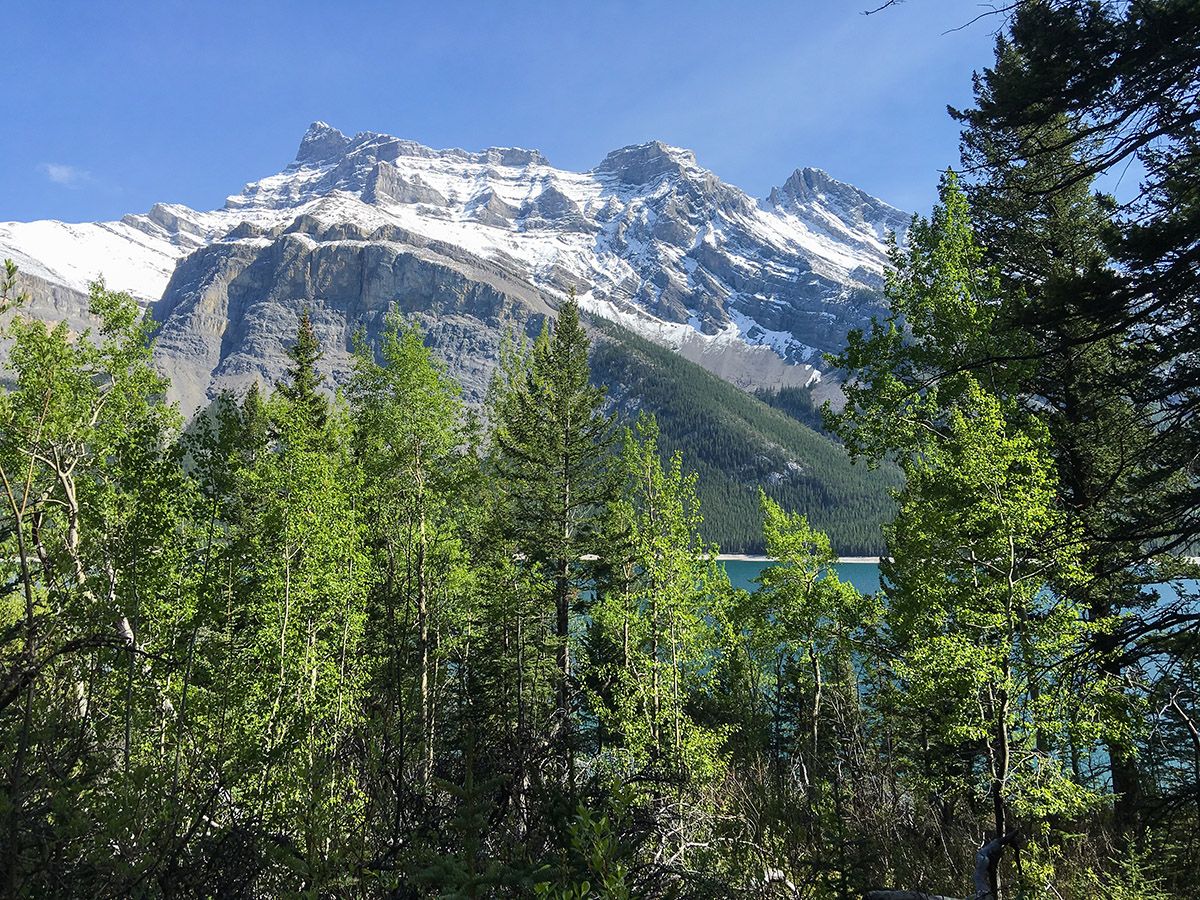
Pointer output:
x,y
747,557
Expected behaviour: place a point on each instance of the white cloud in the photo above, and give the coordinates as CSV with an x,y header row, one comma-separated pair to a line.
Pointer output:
x,y
66,176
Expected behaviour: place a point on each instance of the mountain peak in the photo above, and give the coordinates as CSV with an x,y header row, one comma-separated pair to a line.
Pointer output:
x,y
514,156
756,289
808,183
808,188
640,163
322,142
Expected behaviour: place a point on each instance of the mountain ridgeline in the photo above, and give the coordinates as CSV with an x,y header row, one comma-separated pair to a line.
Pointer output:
x,y
754,289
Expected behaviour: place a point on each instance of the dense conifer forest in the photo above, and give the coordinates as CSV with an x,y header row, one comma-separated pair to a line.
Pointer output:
x,y
736,445
376,645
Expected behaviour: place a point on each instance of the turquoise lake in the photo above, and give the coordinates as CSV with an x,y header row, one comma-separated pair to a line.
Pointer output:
x,y
865,577
742,572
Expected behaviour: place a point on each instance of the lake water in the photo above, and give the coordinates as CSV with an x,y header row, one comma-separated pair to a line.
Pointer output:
x,y
865,576
742,572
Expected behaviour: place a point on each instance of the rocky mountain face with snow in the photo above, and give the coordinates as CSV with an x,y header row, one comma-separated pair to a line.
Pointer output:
x,y
473,245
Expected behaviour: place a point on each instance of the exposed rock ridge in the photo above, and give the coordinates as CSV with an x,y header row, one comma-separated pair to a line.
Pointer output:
x,y
471,242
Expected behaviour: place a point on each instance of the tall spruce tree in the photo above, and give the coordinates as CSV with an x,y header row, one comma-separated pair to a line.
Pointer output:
x,y
302,379
552,442
1080,89
1048,236
1105,289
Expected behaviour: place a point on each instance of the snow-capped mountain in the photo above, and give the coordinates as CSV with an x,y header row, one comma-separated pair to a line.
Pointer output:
x,y
468,242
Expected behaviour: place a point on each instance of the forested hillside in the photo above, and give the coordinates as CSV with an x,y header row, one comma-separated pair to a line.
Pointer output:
x,y
737,444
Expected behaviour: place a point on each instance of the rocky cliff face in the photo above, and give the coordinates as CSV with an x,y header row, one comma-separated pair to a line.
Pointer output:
x,y
232,306
474,244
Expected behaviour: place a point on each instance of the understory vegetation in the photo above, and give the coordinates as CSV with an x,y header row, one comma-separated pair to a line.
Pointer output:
x,y
379,646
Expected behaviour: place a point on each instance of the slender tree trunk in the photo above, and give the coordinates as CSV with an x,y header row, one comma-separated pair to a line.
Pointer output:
x,y
562,636
776,749
1194,734
815,662
521,779
1002,755
423,641
654,664
181,721
628,614
1126,781
562,610
30,654
675,704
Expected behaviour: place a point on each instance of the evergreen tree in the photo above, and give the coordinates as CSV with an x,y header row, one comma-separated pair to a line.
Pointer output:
x,y
551,447
1093,381
1079,89
1103,291
302,379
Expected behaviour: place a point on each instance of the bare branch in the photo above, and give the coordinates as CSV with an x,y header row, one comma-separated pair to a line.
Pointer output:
x,y
888,3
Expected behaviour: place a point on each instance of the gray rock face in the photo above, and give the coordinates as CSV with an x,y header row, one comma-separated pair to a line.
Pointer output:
x,y
852,217
645,162
552,209
321,143
232,307
387,183
489,209
52,302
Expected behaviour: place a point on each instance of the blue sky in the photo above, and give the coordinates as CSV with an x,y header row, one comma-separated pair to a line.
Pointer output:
x,y
110,107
